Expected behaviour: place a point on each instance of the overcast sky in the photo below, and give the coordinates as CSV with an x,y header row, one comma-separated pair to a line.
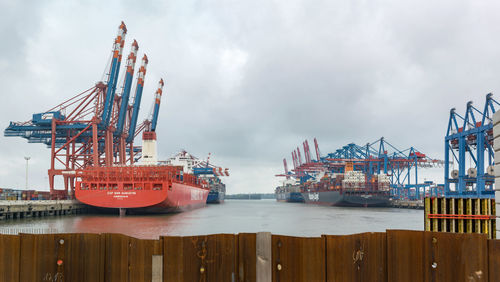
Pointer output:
x,y
248,81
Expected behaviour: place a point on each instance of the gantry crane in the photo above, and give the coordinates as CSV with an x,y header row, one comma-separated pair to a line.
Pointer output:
x,y
469,144
94,128
374,158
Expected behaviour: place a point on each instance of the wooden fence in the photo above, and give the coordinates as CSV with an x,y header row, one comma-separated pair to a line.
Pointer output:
x,y
396,255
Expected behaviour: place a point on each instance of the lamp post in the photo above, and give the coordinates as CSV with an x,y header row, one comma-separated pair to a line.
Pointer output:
x,y
27,159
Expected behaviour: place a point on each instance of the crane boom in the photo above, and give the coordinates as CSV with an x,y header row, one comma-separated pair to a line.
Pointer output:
x,y
318,154
137,99
126,88
113,76
294,158
156,111
286,168
307,156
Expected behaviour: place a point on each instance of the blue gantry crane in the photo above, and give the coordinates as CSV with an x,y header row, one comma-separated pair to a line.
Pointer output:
x,y
469,145
378,157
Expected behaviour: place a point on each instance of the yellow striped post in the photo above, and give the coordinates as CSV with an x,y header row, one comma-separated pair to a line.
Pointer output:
x,y
452,211
461,212
427,209
434,211
443,211
484,222
468,211
477,211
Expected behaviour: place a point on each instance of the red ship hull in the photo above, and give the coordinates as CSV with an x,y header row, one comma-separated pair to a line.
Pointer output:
x,y
142,189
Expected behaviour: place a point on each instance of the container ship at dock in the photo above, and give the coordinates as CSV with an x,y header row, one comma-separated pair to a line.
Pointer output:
x,y
206,172
333,181
92,135
290,192
217,192
339,189
371,175
146,188
351,189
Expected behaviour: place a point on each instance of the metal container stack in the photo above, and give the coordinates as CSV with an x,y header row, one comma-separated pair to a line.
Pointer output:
x,y
383,182
354,180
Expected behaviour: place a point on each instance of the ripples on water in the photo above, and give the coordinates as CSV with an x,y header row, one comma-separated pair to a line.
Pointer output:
x,y
234,216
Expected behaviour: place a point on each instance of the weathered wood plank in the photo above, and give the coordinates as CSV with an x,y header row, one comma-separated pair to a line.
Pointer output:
x,y
455,257
358,257
209,258
494,260
405,255
141,258
247,257
84,260
9,258
116,260
52,257
38,257
173,259
298,259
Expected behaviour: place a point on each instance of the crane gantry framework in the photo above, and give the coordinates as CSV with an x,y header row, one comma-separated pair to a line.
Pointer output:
x,y
469,145
96,127
377,157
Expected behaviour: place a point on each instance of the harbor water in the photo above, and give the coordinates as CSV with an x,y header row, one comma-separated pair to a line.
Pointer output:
x,y
233,216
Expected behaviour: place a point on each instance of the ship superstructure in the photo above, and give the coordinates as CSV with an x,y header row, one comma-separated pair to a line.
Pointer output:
x,y
289,191
206,171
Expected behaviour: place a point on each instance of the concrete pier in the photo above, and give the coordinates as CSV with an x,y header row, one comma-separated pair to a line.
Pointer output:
x,y
27,209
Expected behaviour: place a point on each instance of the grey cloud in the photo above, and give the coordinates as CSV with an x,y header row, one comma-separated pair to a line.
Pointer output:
x,y
250,80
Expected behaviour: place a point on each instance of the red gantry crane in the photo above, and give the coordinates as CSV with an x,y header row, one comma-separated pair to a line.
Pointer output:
x,y
94,128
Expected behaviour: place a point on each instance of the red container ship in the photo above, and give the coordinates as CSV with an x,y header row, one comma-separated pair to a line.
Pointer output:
x,y
155,189
146,188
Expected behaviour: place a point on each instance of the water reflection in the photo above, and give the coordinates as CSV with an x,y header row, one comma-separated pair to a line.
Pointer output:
x,y
234,216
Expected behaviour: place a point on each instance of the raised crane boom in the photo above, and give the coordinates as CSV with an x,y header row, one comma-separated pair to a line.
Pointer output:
x,y
137,99
156,110
294,158
126,88
286,169
113,76
300,157
318,153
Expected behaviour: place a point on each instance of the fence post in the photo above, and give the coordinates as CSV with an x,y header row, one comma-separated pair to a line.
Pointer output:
x,y
264,257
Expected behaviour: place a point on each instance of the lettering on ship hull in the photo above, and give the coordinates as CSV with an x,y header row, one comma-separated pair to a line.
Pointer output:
x,y
120,195
196,195
314,197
